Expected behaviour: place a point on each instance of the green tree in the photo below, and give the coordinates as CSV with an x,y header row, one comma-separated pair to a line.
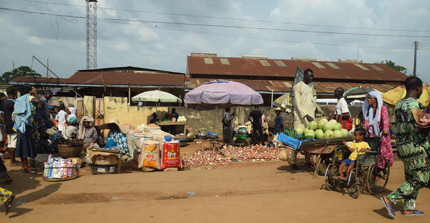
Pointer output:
x,y
394,66
22,71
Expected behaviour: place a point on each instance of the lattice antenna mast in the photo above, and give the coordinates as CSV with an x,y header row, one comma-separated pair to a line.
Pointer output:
x,y
91,34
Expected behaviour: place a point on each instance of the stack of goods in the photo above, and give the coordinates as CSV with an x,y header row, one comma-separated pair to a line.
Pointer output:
x,y
322,129
181,119
59,168
421,118
150,155
170,155
213,159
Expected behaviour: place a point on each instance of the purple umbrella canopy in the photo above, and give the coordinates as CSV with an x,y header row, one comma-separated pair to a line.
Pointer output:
x,y
222,94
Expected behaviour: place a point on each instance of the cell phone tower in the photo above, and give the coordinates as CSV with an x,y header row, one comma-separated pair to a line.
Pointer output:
x,y
91,34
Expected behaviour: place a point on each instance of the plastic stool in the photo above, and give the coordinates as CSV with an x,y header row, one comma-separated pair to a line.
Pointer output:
x,y
198,143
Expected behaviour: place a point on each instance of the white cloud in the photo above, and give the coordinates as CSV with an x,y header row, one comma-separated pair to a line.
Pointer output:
x,y
275,12
159,46
144,34
35,40
122,46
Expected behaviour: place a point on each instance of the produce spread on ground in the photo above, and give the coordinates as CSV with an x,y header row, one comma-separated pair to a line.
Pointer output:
x,y
228,154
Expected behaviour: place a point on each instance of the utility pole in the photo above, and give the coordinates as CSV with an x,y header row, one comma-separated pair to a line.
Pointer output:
x,y
415,58
91,34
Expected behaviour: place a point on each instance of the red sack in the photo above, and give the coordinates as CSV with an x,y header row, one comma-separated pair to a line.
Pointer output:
x,y
170,156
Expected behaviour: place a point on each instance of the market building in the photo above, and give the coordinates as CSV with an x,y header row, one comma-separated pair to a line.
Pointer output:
x,y
275,77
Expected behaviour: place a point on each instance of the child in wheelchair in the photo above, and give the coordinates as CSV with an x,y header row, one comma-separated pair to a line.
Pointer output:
x,y
358,147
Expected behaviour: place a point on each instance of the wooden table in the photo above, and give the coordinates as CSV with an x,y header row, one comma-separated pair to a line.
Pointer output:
x,y
174,124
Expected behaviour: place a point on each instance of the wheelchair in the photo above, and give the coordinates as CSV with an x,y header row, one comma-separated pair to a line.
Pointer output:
x,y
366,176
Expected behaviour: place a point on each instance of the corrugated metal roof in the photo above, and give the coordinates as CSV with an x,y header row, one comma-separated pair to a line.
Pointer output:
x,y
38,81
284,86
112,78
248,67
127,78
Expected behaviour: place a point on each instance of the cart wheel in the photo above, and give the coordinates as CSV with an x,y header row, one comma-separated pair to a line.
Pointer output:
x,y
377,178
354,191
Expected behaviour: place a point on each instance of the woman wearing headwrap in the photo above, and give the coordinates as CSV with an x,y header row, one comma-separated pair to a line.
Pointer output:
x,y
24,117
87,132
377,124
71,130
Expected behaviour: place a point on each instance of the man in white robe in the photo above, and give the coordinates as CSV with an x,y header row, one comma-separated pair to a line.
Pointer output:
x,y
304,104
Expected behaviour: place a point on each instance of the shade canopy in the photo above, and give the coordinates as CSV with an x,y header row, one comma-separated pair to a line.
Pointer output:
x,y
282,100
357,92
156,96
396,94
227,93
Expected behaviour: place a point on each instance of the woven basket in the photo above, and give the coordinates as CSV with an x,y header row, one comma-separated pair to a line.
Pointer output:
x,y
67,151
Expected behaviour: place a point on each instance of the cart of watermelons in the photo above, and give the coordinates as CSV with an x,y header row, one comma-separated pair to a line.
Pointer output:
x,y
318,141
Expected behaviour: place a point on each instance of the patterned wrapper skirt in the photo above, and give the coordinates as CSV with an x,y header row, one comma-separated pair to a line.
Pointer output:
x,y
25,144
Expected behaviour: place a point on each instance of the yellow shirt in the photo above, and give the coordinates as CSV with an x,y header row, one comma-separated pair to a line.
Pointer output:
x,y
357,146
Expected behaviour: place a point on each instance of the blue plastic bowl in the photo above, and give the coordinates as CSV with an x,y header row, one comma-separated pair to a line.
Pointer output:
x,y
167,138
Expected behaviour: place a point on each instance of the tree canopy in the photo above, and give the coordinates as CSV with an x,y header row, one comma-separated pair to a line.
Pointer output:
x,y
394,66
22,71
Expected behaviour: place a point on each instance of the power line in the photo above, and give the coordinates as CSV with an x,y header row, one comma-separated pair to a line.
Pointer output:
x,y
271,39
220,26
229,18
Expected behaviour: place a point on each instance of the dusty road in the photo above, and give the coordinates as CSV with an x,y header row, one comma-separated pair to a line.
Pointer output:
x,y
257,192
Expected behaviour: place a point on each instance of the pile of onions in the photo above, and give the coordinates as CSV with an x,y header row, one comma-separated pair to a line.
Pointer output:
x,y
216,159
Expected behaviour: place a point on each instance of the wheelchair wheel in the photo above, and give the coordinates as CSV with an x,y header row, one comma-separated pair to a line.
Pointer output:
x,y
354,190
330,173
354,186
377,178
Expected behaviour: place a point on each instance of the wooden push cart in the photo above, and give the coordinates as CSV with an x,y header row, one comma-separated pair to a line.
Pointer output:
x,y
320,151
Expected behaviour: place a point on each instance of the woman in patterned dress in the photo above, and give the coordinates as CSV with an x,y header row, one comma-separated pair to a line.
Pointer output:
x,y
412,145
24,116
377,124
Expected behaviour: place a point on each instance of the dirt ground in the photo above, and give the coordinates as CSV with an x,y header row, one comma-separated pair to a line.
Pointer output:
x,y
241,192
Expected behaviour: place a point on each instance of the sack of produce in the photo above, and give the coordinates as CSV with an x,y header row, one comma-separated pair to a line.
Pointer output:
x,y
150,155
170,156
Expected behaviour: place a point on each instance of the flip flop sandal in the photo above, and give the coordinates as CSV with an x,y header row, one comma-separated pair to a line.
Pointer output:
x,y
9,202
389,208
32,171
416,213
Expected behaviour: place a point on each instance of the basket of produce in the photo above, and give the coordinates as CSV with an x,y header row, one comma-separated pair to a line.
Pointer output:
x,y
319,133
70,148
59,169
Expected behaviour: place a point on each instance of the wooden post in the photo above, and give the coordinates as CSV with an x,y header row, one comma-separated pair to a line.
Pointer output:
x,y
129,95
271,102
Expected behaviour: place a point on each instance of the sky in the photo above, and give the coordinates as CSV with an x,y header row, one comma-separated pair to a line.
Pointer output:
x,y
160,34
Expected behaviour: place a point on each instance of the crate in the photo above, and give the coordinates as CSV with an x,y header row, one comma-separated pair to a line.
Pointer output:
x,y
103,169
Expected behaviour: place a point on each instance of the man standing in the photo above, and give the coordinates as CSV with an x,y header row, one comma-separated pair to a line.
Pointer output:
x,y
304,107
2,130
257,128
227,126
72,109
279,122
8,108
43,101
412,145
